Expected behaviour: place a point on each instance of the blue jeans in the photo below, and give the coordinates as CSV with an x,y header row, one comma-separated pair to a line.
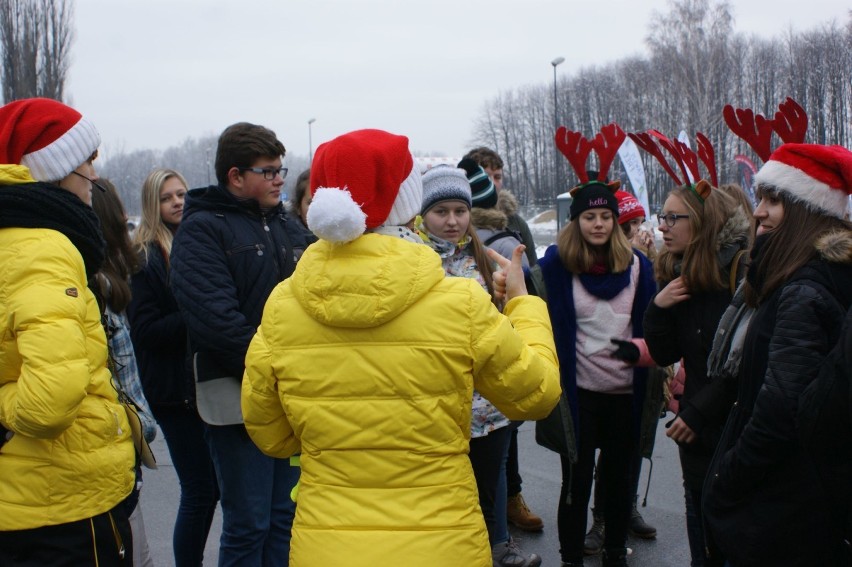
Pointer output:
x,y
185,435
257,512
698,542
488,459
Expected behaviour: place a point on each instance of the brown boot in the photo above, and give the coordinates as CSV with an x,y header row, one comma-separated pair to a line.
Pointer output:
x,y
519,514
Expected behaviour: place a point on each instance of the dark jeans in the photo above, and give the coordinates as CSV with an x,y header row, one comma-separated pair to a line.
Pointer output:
x,y
695,532
74,544
257,511
488,459
605,421
513,476
185,434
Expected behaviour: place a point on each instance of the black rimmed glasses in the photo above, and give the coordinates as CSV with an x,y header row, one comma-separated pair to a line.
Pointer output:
x,y
670,219
268,173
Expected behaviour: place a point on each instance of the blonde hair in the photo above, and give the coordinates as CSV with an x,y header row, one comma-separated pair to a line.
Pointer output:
x,y
699,261
152,229
579,257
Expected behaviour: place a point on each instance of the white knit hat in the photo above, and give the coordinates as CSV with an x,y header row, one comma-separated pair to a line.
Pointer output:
x,y
48,137
362,180
816,175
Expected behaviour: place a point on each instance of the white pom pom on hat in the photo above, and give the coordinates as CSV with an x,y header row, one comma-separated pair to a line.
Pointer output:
x,y
362,180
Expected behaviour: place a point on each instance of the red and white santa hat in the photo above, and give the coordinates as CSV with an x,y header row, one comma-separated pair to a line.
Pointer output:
x,y
362,180
818,176
50,138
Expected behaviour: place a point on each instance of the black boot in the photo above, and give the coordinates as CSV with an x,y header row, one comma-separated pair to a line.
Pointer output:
x,y
614,557
638,527
594,539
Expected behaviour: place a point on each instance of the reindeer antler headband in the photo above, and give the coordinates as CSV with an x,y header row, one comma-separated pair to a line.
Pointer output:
x,y
576,148
790,123
686,159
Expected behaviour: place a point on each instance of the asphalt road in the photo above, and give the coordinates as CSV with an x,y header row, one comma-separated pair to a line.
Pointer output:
x,y
542,478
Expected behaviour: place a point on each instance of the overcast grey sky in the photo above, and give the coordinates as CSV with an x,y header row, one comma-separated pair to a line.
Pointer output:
x,y
151,73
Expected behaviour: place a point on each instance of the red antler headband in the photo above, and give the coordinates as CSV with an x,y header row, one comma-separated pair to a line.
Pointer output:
x,y
686,159
576,148
790,123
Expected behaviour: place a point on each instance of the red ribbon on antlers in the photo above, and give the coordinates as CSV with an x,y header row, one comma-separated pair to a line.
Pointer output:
x,y
576,148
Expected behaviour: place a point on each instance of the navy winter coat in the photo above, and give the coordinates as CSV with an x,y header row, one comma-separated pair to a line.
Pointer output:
x,y
226,258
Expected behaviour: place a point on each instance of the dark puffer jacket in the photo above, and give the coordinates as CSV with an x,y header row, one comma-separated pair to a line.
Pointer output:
x,y
763,503
685,331
226,258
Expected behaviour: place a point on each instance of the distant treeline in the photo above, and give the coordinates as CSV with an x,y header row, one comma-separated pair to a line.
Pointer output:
x,y
697,65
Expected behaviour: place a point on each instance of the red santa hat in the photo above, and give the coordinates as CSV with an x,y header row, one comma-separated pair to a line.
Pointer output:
x,y
628,207
818,176
362,180
48,137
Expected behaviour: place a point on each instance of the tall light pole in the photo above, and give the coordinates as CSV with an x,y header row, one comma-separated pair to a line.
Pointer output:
x,y
310,141
555,63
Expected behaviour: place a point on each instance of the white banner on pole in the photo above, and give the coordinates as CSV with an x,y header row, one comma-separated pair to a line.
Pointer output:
x,y
684,139
632,162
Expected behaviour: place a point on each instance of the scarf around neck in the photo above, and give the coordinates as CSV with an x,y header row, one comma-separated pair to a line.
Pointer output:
x,y
41,205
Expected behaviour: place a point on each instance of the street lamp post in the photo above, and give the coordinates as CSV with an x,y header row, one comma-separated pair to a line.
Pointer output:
x,y
310,141
555,63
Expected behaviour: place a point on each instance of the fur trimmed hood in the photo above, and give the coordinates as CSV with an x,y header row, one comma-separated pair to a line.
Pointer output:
x,y
735,230
496,218
836,246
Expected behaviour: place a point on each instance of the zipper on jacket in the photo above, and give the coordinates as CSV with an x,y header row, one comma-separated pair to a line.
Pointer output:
x,y
271,238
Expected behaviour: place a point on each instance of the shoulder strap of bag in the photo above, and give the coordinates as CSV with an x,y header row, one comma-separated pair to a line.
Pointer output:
x,y
735,268
502,234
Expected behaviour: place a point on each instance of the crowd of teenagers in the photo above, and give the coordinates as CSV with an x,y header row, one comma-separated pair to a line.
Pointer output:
x,y
345,373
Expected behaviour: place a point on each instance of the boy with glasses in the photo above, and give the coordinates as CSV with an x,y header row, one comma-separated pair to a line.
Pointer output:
x,y
235,244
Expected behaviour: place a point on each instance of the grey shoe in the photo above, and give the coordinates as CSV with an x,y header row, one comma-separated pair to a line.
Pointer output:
x,y
508,554
595,538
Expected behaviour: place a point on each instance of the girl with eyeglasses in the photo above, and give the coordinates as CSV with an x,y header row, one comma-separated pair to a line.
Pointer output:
x,y
159,338
704,234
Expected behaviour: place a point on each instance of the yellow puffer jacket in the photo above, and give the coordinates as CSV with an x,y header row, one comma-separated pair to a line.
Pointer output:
x,y
71,456
365,363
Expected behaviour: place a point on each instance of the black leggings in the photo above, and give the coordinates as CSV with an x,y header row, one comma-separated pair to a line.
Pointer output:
x,y
605,421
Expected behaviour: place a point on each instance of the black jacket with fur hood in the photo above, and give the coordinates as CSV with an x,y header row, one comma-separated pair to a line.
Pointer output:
x,y
685,331
495,221
763,502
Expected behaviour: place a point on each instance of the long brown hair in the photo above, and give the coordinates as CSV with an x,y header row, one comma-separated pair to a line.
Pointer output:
x,y
788,247
113,279
483,262
579,257
699,261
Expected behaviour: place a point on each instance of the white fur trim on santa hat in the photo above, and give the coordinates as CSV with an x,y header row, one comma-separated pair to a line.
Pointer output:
x,y
333,215
406,206
65,154
815,194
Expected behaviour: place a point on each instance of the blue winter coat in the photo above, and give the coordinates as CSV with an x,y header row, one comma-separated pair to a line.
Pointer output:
x,y
226,258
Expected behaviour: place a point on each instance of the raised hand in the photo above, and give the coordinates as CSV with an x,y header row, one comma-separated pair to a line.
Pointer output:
x,y
509,277
675,292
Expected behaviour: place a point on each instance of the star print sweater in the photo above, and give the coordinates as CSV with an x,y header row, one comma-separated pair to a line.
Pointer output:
x,y
598,321
562,304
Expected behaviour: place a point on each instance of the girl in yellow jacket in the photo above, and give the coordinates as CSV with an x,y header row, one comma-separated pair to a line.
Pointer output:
x,y
365,363
66,460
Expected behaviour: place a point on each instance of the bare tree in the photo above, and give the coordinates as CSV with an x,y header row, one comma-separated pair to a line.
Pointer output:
x,y
35,45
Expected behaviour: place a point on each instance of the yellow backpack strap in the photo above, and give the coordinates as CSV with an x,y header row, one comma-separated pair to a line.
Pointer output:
x,y
735,268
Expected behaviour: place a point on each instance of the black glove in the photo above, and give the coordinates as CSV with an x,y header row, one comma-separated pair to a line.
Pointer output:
x,y
626,351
